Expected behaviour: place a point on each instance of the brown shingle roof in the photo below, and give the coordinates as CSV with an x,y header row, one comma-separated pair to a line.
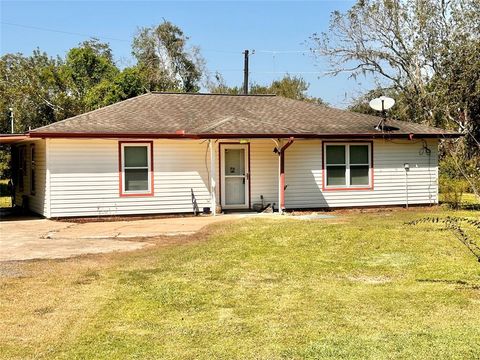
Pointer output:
x,y
218,115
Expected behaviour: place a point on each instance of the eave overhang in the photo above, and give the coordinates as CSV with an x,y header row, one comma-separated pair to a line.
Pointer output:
x,y
115,135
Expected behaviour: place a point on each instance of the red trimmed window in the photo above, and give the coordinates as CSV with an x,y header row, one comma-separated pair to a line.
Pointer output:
x,y
136,168
347,166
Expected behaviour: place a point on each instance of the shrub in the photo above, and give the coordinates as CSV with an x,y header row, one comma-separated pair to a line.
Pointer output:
x,y
5,170
459,175
452,190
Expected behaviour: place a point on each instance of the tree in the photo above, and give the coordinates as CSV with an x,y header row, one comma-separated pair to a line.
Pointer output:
x,y
292,87
33,87
42,90
166,62
401,43
85,67
218,86
361,103
126,84
457,91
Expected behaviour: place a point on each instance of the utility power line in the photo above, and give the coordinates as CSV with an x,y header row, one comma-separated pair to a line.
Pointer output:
x,y
124,40
254,52
221,51
287,72
271,72
286,51
62,31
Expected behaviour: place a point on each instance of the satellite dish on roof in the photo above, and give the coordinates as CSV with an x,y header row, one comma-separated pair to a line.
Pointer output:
x,y
382,103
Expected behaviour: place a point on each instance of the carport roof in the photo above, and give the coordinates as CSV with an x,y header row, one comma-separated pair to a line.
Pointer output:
x,y
173,115
12,138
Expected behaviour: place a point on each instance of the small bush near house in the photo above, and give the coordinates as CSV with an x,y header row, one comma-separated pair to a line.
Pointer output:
x,y
5,170
5,194
457,179
452,191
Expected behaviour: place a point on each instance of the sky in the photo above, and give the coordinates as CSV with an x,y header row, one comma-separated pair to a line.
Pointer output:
x,y
277,31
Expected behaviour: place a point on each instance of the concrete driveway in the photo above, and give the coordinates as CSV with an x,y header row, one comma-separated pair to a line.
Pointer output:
x,y
47,239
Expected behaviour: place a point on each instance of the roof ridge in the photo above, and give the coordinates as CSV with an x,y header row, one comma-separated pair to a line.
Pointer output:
x,y
214,125
209,94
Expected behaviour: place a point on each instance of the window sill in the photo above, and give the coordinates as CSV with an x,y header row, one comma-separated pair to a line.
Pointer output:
x,y
353,188
128,194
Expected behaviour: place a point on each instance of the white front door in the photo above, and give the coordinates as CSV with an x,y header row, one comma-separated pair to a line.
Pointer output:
x,y
234,176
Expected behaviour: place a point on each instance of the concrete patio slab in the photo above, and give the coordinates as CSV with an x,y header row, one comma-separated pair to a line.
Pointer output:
x,y
47,239
138,228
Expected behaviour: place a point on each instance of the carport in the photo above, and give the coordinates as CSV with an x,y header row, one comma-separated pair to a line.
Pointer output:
x,y
6,142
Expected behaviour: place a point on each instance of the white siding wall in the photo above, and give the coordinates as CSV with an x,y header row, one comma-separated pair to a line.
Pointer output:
x,y
304,176
264,172
84,179
37,202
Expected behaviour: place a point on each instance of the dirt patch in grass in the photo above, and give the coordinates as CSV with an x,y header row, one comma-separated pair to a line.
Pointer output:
x,y
44,310
11,270
374,280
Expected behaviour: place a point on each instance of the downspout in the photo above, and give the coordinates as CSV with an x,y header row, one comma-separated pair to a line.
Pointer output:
x,y
13,181
281,190
213,199
48,190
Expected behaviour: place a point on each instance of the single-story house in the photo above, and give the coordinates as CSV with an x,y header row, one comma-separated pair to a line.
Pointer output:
x,y
171,153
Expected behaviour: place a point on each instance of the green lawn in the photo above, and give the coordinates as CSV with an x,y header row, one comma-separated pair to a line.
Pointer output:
x,y
5,198
468,199
359,286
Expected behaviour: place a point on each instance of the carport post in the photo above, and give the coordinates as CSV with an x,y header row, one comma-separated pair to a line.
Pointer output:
x,y
281,177
213,200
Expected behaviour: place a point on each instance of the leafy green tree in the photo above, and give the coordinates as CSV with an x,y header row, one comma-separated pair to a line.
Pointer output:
x,y
86,66
218,86
457,91
361,103
33,87
166,61
41,89
401,43
131,82
292,87
126,84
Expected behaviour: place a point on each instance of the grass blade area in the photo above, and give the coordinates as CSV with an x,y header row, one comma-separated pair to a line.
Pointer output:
x,y
359,286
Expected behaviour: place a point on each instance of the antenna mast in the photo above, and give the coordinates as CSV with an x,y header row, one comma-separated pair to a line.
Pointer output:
x,y
11,119
245,73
